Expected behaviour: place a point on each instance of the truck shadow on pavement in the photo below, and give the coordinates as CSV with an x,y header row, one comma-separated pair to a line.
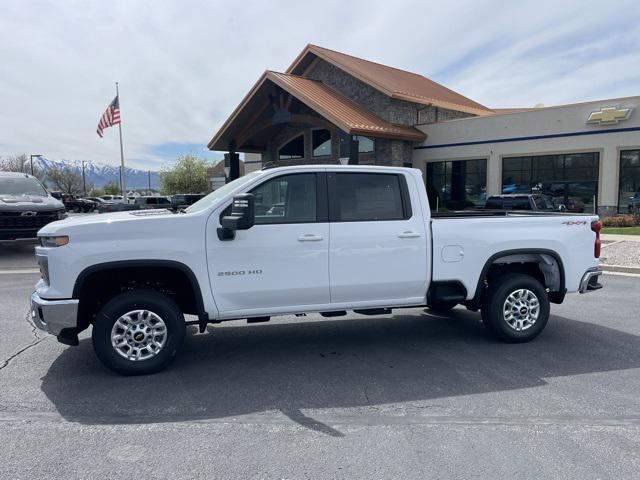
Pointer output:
x,y
359,363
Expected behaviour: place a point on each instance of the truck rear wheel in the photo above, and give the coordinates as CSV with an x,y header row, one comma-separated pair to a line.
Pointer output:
x,y
138,332
516,308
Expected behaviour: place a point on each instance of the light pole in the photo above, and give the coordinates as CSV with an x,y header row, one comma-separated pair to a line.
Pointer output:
x,y
34,155
84,183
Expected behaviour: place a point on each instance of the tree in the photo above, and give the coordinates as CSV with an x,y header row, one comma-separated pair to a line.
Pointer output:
x,y
66,179
96,192
111,188
21,163
188,175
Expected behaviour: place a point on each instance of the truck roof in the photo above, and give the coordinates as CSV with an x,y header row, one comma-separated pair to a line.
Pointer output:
x,y
339,167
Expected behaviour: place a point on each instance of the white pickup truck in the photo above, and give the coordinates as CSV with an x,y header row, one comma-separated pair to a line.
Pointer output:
x,y
302,239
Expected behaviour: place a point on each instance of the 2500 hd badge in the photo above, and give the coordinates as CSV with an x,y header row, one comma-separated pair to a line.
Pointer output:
x,y
239,272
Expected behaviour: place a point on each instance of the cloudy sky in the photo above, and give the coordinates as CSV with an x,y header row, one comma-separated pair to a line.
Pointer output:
x,y
184,65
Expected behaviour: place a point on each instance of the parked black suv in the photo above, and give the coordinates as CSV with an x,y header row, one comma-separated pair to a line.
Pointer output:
x,y
184,200
25,206
532,201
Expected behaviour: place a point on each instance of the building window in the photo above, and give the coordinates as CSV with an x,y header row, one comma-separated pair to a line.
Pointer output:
x,y
292,149
569,179
365,144
321,141
457,185
629,191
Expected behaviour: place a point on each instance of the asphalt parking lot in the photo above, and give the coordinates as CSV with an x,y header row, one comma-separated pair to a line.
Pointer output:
x,y
413,395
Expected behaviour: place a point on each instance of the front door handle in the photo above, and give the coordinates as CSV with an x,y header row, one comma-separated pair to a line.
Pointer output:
x,y
309,237
408,234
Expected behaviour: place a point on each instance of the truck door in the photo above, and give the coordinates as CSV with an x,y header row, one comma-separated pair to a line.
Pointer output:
x,y
378,247
281,262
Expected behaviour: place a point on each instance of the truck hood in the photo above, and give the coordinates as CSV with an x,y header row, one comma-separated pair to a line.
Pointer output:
x,y
12,203
105,221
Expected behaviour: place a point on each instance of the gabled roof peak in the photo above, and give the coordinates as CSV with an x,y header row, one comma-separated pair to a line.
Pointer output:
x,y
391,81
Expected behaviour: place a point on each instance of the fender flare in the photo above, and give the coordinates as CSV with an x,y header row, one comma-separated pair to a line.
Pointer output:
x,y
555,297
82,277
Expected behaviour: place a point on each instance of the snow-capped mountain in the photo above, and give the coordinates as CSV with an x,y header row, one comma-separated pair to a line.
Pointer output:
x,y
99,174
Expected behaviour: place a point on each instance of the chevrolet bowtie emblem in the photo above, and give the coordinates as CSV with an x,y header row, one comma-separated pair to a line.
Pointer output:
x,y
609,115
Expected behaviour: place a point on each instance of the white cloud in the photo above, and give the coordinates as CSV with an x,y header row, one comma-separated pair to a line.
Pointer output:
x,y
184,65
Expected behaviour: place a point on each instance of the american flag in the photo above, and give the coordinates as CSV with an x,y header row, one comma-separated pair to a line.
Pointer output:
x,y
110,117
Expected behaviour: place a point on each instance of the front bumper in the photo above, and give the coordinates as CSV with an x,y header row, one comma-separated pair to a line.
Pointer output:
x,y
589,281
54,316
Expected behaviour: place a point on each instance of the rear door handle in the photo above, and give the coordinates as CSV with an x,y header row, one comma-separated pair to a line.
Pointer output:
x,y
408,234
309,237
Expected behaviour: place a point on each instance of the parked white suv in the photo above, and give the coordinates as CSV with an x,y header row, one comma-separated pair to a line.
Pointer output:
x,y
342,238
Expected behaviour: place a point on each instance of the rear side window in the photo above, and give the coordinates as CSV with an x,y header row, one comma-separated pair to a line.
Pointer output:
x,y
357,197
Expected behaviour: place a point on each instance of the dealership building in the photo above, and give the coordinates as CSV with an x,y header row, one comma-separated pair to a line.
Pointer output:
x,y
330,107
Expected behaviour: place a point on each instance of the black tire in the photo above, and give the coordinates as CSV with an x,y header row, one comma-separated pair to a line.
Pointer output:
x,y
442,307
493,315
147,300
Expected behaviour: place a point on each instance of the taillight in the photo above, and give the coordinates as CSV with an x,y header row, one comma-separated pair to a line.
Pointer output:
x,y
596,226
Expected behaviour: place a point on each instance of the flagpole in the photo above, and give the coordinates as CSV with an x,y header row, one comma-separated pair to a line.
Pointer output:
x,y
122,182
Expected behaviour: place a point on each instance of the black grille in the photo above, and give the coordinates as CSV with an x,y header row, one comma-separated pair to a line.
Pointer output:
x,y
18,220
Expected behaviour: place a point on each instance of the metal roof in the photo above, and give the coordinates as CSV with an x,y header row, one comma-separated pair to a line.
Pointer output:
x,y
391,81
327,102
340,110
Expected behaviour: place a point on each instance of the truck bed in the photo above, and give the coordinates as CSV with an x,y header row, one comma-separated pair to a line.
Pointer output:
x,y
460,251
504,213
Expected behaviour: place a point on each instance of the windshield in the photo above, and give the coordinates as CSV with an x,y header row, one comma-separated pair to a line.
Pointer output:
x,y
221,192
21,186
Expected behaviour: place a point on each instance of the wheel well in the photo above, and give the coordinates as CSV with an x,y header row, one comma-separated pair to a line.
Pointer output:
x,y
544,267
97,287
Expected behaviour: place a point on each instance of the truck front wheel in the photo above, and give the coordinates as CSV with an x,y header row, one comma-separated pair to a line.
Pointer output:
x,y
138,332
516,308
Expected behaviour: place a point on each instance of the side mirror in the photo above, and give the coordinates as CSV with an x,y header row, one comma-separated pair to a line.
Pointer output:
x,y
242,216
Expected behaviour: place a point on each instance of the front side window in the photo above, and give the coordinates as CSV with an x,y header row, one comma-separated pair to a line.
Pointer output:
x,y
286,199
366,197
321,140
292,149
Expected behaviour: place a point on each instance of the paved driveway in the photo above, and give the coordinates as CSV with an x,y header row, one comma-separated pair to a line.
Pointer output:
x,y
411,395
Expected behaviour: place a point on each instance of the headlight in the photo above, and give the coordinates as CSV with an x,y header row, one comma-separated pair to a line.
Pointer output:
x,y
57,241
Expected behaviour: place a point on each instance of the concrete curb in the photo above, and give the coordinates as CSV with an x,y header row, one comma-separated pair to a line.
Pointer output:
x,y
620,268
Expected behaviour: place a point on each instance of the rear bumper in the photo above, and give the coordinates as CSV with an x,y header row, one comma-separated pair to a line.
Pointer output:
x,y
54,316
589,281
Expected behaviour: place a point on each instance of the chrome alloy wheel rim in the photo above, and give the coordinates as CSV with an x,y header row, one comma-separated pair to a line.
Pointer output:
x,y
138,335
521,309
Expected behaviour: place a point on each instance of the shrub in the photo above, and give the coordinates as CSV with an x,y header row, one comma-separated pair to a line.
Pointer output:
x,y
621,221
